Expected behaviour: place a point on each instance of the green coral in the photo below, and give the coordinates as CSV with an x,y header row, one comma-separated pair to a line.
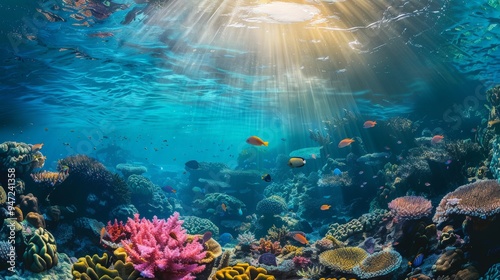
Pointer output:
x,y
272,205
196,225
41,251
96,268
214,201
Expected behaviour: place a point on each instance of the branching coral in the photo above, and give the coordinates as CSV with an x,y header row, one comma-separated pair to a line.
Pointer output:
x,y
267,246
311,272
160,248
277,234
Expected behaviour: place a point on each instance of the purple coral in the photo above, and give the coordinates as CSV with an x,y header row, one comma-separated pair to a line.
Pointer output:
x,y
161,249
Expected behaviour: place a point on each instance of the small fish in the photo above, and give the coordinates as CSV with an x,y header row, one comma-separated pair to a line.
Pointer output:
x,y
361,172
300,237
46,129
369,124
448,162
437,139
173,235
337,172
206,236
327,196
103,232
427,184
36,147
64,169
131,15
345,142
417,261
313,156
283,139
197,190
192,164
169,189
325,207
296,162
256,141
224,207
266,177
240,212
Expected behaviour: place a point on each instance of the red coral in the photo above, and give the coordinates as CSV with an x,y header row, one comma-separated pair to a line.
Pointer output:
x,y
267,246
300,261
116,231
160,248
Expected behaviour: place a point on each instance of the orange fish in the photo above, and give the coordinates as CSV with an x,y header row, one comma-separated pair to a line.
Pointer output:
x,y
256,141
345,142
437,139
369,124
103,232
224,207
36,147
325,207
301,238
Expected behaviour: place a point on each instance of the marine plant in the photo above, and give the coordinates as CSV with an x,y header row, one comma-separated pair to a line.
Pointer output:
x,y
277,234
160,248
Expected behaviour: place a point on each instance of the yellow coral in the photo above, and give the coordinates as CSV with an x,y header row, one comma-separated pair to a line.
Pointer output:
x,y
343,259
242,271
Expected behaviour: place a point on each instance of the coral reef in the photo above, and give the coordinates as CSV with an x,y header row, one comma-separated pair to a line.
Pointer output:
x,y
242,271
20,156
449,262
410,207
148,198
212,203
196,225
272,205
479,199
41,251
343,259
362,224
378,264
96,267
159,248
131,169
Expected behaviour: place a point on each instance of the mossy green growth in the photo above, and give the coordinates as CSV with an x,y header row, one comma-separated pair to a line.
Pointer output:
x,y
96,268
41,251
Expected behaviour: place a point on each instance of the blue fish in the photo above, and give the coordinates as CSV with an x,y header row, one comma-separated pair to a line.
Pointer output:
x,y
337,172
240,212
418,260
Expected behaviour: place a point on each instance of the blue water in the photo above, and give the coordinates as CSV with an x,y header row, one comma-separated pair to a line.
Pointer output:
x,y
159,83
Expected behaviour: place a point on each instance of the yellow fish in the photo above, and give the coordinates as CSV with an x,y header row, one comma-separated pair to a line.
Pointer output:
x,y
256,141
296,162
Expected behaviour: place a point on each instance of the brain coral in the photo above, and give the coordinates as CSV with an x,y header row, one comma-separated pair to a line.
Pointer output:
x,y
242,271
479,199
378,264
272,205
410,207
196,225
343,259
41,252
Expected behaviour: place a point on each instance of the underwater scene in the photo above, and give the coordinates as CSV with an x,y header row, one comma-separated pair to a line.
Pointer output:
x,y
250,140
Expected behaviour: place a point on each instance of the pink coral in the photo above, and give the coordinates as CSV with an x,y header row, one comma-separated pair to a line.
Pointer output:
x,y
161,249
410,207
300,261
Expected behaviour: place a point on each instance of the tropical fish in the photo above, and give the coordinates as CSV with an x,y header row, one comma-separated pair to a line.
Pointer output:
x,y
256,141
192,164
27,159
299,236
173,235
240,212
437,139
224,207
197,190
266,177
169,189
369,124
325,207
296,162
313,156
337,172
417,261
206,236
64,169
36,147
345,142
103,232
